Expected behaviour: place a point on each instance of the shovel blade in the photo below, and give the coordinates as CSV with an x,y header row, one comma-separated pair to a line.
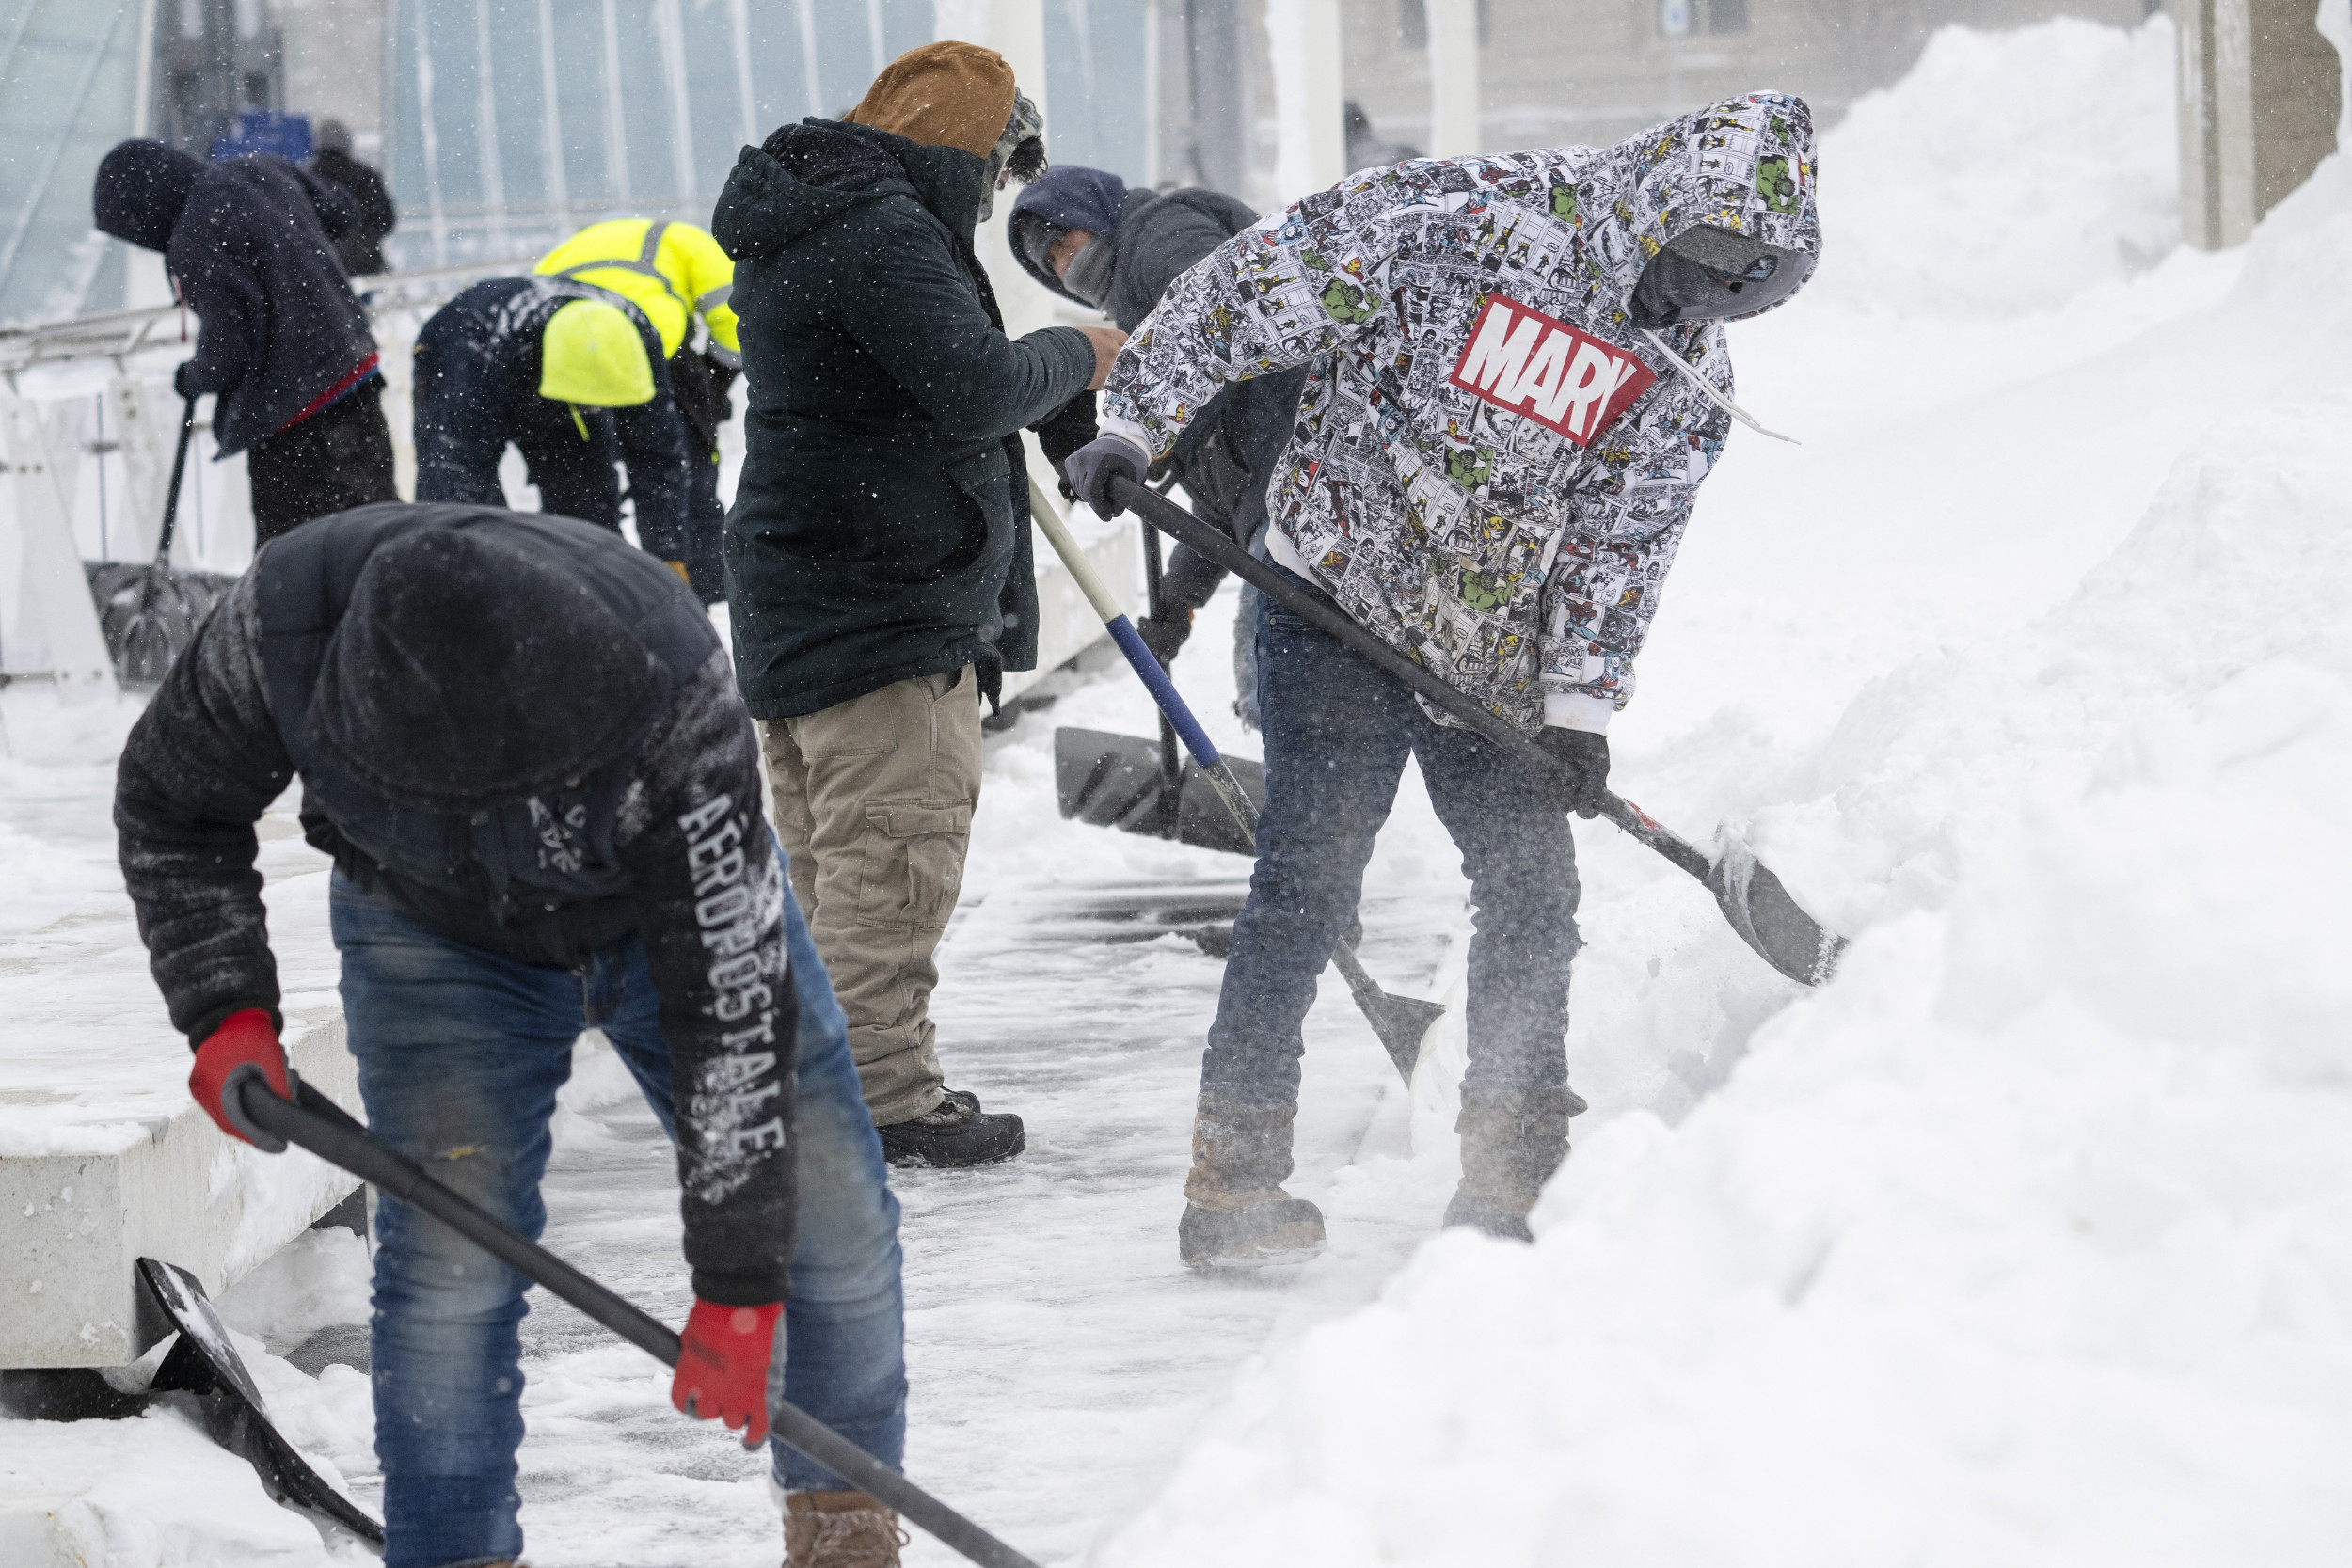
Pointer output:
x,y
1115,780
148,613
1768,920
1401,1021
205,1364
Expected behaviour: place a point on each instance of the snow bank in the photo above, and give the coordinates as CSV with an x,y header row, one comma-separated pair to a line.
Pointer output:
x,y
2007,172
2028,1240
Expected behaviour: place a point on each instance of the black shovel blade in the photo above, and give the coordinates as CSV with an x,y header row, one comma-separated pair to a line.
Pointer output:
x,y
1768,920
206,1364
1114,781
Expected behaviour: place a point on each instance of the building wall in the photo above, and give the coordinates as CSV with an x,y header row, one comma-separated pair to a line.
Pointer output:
x,y
335,64
1592,71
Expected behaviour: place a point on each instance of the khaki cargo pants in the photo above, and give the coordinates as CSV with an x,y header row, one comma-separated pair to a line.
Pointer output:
x,y
873,801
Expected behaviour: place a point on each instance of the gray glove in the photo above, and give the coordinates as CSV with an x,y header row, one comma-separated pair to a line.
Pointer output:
x,y
1091,467
1580,768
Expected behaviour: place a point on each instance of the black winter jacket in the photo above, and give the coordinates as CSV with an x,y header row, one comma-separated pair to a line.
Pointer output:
x,y
1227,454
478,362
359,248
253,251
665,837
881,527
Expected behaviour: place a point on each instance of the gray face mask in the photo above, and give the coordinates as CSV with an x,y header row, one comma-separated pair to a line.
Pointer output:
x,y
1090,273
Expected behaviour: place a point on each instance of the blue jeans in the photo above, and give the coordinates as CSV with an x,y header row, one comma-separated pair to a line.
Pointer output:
x,y
460,1055
1337,734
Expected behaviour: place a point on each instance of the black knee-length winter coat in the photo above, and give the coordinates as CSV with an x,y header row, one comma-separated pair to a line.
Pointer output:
x,y
881,527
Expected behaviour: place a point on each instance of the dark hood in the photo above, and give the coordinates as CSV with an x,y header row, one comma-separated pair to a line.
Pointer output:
x,y
806,175
1075,198
1068,197
468,672
141,188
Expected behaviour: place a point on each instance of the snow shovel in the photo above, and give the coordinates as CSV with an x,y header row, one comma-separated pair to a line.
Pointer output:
x,y
148,613
206,1364
314,1122
1399,1021
1750,895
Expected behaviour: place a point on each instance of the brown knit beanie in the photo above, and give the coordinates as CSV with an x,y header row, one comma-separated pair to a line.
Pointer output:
x,y
947,94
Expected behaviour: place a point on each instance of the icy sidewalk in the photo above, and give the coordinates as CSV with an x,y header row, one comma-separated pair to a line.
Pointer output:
x,y
1058,1356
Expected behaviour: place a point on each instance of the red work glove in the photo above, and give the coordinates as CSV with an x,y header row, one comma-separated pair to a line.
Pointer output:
x,y
244,1044
723,1366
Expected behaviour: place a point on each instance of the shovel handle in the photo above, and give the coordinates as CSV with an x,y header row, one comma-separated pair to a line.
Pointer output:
x,y
318,1124
1123,630
171,494
1182,526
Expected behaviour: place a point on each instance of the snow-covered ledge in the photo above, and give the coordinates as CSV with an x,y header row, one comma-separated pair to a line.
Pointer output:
x,y
76,1218
103,1158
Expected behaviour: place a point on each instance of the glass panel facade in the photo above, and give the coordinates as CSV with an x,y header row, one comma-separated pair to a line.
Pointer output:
x,y
515,122
69,78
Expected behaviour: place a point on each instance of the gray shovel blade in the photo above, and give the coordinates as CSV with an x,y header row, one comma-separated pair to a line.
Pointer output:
x,y
1114,781
148,613
206,1364
1401,1021
1768,920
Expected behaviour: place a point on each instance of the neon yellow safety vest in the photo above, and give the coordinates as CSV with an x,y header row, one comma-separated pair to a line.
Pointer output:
x,y
672,272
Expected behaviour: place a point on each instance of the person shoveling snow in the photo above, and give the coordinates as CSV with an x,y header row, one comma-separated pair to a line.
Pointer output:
x,y
520,740
1519,379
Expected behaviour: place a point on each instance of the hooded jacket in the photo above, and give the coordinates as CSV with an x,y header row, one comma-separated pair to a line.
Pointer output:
x,y
477,387
249,243
1460,479
359,248
880,526
1226,453
522,731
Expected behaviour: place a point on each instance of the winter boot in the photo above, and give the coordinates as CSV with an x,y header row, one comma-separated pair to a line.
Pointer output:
x,y
840,1529
956,1132
1239,1216
1511,1141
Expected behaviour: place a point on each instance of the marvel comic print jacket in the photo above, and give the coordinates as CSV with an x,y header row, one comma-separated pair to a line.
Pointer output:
x,y
1492,469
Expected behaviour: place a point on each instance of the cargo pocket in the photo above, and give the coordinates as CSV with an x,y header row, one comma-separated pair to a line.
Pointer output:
x,y
914,863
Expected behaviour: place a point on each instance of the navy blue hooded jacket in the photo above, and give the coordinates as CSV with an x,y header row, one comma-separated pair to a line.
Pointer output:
x,y
249,243
478,364
1227,454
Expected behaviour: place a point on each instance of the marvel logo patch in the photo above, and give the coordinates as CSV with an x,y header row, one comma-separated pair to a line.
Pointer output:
x,y
1567,381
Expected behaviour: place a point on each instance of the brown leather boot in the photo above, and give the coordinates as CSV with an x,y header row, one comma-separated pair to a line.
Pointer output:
x,y
1511,1141
1239,1215
840,1529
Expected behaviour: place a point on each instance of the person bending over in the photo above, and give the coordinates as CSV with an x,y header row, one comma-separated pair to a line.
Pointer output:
x,y
520,740
282,340
574,378
1516,381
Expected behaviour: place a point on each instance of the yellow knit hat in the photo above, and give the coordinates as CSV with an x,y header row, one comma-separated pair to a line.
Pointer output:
x,y
590,354
947,94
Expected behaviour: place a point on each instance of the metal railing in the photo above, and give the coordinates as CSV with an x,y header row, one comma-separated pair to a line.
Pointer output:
x,y
119,335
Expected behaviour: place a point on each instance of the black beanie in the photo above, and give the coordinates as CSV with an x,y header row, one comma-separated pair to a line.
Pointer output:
x,y
140,188
467,673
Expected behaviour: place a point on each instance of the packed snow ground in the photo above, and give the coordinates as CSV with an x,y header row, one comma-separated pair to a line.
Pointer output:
x,y
2023,1240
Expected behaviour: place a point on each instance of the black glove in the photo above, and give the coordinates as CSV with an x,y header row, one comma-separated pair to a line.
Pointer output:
x,y
1165,634
1092,466
182,380
1067,429
1580,768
